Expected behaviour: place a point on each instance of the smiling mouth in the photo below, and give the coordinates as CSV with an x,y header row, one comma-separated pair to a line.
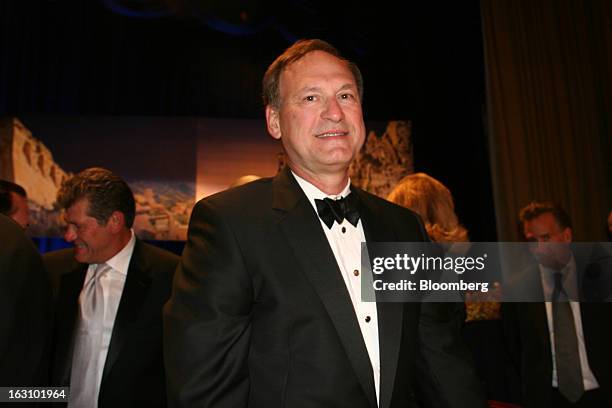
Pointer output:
x,y
332,134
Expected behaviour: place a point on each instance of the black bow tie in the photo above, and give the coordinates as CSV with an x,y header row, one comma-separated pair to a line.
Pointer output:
x,y
337,210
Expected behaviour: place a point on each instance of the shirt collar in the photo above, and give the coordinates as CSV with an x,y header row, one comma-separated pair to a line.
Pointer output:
x,y
121,261
568,278
313,192
567,270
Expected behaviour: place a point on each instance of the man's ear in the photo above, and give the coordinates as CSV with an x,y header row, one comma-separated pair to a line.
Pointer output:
x,y
273,122
116,221
567,235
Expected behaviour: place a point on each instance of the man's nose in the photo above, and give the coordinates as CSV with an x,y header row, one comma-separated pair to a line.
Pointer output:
x,y
69,235
333,111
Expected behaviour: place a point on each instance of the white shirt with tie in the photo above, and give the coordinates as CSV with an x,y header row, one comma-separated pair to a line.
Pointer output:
x,y
571,288
345,241
112,283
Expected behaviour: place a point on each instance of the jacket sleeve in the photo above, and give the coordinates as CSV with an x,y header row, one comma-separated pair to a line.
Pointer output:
x,y
207,320
446,377
25,310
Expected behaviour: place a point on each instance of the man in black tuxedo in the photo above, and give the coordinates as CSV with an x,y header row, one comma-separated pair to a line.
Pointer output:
x,y
25,309
562,349
110,291
266,308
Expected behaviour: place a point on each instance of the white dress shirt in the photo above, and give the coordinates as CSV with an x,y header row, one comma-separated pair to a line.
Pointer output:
x,y
345,241
112,283
571,288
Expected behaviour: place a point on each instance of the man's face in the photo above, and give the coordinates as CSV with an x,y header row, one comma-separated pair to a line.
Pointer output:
x,y
20,210
93,243
319,121
550,240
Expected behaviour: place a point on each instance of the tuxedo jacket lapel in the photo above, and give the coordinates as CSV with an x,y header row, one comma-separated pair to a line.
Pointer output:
x,y
390,315
133,296
68,308
302,229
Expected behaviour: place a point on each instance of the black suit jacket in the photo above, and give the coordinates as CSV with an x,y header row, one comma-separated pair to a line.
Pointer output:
x,y
260,315
528,339
25,309
133,374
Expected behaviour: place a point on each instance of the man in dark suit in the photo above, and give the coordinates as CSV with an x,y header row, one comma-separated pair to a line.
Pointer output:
x,y
266,308
110,291
562,348
25,309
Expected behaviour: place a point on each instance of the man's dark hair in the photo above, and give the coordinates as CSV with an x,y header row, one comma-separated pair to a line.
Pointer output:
x,y
105,191
536,208
6,188
271,79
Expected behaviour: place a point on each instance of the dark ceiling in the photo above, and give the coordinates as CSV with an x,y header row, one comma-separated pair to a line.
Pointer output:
x,y
421,61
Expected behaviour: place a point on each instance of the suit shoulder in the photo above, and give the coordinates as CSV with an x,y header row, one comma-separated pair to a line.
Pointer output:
x,y
161,261
406,223
60,261
13,238
235,198
17,254
158,254
387,207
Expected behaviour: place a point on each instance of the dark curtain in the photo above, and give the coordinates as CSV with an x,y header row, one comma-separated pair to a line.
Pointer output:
x,y
82,58
549,73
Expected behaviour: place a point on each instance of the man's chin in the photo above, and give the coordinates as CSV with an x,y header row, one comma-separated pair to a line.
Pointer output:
x,y
338,162
81,255
551,263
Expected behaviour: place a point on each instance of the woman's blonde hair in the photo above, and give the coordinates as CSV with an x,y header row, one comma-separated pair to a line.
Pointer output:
x,y
430,199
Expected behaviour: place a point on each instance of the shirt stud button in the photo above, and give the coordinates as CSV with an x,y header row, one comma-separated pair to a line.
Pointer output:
x,y
343,230
367,319
356,272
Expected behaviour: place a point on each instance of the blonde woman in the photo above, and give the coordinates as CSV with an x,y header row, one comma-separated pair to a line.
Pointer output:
x,y
430,199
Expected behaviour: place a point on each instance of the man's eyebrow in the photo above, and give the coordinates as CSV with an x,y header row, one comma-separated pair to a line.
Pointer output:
x,y
348,86
310,89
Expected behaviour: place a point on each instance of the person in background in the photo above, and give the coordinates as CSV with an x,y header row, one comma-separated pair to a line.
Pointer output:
x,y
433,201
112,287
562,348
25,310
430,199
14,203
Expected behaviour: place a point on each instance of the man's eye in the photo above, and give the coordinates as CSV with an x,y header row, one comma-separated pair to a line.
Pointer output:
x,y
347,96
309,98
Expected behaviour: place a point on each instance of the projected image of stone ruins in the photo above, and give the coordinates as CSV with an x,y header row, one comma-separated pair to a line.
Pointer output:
x,y
162,210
